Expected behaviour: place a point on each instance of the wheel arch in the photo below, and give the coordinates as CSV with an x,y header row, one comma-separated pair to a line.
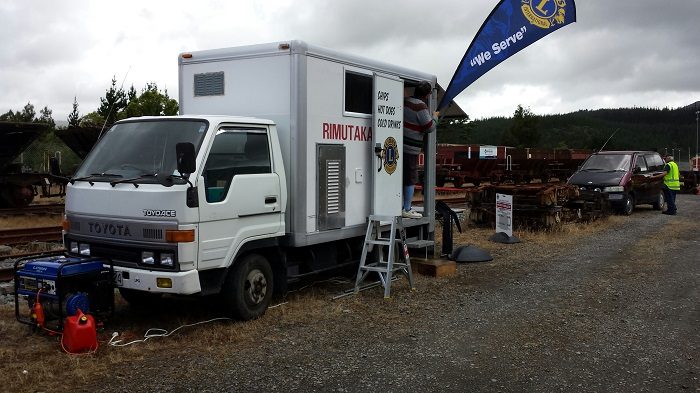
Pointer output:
x,y
270,249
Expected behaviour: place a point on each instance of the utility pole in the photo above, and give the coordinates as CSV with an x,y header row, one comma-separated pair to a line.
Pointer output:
x,y
697,116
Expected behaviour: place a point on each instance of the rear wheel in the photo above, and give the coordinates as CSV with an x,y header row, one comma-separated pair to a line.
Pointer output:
x,y
659,202
627,205
247,291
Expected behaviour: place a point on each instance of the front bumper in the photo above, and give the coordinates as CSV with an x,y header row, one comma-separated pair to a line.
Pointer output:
x,y
183,283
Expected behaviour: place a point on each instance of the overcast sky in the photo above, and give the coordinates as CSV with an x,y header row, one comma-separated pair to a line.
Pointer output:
x,y
619,53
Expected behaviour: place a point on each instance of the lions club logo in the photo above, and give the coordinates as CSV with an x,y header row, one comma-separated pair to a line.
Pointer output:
x,y
544,13
391,155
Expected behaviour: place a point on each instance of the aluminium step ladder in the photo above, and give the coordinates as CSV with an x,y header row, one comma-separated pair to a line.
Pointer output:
x,y
384,268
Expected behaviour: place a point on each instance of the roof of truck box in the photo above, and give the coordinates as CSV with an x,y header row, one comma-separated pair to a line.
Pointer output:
x,y
210,118
300,47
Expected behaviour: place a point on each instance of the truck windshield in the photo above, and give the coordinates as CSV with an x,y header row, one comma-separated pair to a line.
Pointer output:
x,y
607,162
137,148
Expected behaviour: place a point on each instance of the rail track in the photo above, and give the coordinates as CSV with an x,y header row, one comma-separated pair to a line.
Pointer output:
x,y
6,274
26,235
7,271
48,209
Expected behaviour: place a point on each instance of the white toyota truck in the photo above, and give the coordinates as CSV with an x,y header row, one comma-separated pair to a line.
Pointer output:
x,y
209,202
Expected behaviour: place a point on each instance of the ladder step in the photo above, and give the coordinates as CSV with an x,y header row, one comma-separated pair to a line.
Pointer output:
x,y
382,242
420,243
383,269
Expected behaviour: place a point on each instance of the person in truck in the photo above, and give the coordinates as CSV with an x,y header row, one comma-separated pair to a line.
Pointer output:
x,y
417,122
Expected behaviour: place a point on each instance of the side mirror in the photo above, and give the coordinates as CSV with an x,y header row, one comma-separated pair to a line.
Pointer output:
x,y
636,170
186,158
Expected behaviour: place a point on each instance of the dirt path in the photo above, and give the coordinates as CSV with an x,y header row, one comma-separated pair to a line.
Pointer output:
x,y
614,306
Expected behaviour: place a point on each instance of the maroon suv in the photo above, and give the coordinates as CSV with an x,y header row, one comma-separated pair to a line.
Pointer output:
x,y
628,178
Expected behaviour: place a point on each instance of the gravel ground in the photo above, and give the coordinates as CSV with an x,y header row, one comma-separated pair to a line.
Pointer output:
x,y
617,310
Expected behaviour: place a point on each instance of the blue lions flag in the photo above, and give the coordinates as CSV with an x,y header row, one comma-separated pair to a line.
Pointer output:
x,y
511,26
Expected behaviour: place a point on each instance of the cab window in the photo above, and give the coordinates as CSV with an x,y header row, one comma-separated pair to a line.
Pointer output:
x,y
235,152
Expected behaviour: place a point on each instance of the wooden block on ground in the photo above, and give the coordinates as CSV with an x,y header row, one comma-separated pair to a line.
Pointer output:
x,y
434,267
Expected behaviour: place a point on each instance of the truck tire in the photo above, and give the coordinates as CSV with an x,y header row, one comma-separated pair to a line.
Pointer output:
x,y
247,291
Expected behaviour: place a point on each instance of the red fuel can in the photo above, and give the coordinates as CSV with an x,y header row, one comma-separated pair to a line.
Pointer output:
x,y
79,333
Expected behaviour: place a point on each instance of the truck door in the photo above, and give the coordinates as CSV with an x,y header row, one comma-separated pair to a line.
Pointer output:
x,y
387,179
240,193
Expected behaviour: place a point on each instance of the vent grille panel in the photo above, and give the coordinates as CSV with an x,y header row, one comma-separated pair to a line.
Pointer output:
x,y
209,84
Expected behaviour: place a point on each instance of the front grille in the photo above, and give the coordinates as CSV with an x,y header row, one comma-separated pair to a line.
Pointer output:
x,y
149,233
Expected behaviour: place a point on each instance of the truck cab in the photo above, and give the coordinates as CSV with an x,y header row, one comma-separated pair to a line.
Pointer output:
x,y
171,232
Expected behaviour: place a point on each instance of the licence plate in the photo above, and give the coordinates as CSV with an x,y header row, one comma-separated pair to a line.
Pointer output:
x,y
615,196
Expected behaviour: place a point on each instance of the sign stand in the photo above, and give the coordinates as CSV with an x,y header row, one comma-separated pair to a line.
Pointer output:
x,y
504,220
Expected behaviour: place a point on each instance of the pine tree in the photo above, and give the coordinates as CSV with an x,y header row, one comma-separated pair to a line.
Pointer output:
x,y
74,116
46,117
112,103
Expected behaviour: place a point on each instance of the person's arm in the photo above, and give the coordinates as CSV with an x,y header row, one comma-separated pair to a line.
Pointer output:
x,y
428,123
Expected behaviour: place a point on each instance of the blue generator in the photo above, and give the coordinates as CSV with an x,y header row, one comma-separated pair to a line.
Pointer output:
x,y
60,285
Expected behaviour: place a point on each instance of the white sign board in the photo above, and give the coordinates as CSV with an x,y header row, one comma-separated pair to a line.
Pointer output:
x,y
387,145
504,214
488,152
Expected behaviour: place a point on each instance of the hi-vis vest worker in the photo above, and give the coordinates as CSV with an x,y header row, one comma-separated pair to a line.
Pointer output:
x,y
672,178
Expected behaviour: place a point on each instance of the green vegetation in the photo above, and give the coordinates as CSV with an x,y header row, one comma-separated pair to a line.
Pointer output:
x,y
115,105
633,128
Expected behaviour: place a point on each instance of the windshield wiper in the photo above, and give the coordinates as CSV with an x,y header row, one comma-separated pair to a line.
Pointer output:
x,y
92,176
133,180
164,180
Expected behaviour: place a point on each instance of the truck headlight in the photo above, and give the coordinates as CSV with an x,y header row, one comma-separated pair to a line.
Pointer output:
x,y
84,249
147,258
167,259
614,189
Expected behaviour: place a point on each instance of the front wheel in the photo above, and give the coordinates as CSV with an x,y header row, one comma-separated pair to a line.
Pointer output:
x,y
247,291
627,205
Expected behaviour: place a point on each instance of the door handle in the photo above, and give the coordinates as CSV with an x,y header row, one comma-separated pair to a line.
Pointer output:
x,y
270,200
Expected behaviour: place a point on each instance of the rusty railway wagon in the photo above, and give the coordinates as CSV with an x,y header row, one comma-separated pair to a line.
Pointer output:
x,y
462,164
18,183
535,204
